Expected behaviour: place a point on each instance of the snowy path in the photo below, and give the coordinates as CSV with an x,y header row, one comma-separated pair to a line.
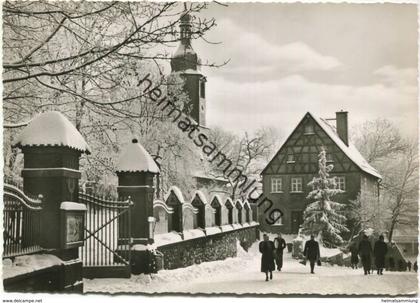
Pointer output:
x,y
241,275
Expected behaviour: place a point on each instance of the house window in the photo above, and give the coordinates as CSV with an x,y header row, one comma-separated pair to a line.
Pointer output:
x,y
276,185
296,185
290,158
309,129
341,182
276,215
202,89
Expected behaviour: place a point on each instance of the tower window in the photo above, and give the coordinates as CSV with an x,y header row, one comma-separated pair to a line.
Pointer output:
x,y
202,89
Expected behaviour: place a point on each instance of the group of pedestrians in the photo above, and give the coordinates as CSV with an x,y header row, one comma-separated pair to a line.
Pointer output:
x,y
379,251
273,251
365,251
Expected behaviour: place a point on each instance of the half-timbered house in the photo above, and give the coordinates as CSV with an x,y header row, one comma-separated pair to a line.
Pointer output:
x,y
286,177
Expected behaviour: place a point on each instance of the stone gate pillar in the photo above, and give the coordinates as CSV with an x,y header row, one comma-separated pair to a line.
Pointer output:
x,y
52,147
136,170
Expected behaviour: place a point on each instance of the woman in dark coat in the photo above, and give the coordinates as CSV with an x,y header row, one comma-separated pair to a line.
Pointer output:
x,y
365,252
379,252
267,258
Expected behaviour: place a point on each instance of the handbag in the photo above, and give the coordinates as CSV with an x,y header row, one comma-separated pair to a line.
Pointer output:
x,y
318,263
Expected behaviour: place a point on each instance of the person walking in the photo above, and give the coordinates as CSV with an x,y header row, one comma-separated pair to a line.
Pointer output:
x,y
409,265
311,252
279,245
379,251
365,252
354,259
415,267
267,258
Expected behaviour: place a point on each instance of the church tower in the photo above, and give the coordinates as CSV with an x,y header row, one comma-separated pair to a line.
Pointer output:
x,y
186,63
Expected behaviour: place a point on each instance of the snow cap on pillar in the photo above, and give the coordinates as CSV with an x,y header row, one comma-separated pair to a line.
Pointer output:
x,y
51,129
135,158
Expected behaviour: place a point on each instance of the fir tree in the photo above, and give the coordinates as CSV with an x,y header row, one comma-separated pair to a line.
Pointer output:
x,y
324,217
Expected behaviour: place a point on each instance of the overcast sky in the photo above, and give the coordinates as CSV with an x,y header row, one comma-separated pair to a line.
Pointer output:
x,y
287,59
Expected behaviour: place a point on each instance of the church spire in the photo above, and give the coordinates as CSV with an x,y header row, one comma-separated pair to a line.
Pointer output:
x,y
185,57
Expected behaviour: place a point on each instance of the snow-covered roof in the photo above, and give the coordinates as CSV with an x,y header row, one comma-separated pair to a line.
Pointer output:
x,y
51,129
136,159
229,200
350,150
177,192
200,195
216,197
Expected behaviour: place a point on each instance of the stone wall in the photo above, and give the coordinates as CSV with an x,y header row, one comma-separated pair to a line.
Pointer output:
x,y
208,248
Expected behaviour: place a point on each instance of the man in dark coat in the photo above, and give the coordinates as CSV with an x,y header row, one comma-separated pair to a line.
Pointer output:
x,y
354,259
409,265
267,258
365,252
415,267
279,245
380,249
311,252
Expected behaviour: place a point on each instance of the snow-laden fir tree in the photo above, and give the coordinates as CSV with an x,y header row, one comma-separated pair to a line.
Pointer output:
x,y
323,217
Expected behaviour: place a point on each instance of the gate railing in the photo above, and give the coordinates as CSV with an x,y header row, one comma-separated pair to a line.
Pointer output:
x,y
107,232
21,222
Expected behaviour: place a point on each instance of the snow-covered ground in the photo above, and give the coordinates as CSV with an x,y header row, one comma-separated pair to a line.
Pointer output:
x,y
242,275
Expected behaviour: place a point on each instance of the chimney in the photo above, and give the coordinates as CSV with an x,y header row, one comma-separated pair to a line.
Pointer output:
x,y
342,126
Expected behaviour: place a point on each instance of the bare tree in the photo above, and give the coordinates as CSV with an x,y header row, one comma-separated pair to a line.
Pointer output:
x,y
247,153
401,189
87,59
378,140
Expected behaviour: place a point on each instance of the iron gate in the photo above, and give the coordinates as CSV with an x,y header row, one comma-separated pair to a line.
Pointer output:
x,y
107,244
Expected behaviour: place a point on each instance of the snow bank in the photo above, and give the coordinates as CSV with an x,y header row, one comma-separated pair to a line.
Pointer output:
x,y
193,234
168,238
328,252
29,263
136,159
52,129
159,282
213,230
236,226
226,227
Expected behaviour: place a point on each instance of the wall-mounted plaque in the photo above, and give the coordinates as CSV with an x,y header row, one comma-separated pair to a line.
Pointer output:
x,y
72,224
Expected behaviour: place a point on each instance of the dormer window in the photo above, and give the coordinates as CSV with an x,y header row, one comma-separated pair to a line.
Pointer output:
x,y
290,158
309,129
